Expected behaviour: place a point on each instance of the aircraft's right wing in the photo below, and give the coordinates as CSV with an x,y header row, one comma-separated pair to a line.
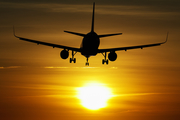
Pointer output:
x,y
131,47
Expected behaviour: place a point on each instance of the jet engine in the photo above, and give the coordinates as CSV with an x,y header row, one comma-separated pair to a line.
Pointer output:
x,y
112,56
64,54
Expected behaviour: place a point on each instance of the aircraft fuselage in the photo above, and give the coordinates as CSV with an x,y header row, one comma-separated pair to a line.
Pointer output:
x,y
90,44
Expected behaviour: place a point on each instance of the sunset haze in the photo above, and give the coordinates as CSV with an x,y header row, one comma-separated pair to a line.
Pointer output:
x,y
36,84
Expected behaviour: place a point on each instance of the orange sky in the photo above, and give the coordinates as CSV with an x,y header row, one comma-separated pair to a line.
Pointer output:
x,y
35,83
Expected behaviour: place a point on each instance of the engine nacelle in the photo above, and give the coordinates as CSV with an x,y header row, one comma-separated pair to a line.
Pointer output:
x,y
112,56
64,54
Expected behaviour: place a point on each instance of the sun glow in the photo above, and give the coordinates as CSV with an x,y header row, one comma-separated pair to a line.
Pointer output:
x,y
94,96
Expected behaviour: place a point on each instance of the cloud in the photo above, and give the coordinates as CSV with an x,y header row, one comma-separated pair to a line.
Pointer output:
x,y
141,94
58,67
100,9
105,2
10,67
52,67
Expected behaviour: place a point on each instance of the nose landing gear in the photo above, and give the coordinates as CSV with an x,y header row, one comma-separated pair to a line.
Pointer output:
x,y
87,63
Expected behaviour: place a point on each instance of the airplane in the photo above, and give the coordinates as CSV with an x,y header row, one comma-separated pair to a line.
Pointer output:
x,y
89,45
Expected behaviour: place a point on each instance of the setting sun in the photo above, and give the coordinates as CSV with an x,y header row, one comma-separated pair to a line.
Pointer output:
x,y
94,95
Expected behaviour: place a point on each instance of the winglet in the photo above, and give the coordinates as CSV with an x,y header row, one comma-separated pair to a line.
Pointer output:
x,y
166,37
14,32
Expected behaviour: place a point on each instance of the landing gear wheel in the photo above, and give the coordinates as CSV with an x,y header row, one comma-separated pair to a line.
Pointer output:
x,y
105,61
87,64
72,59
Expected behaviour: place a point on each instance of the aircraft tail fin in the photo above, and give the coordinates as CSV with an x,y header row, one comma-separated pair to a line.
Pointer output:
x,y
92,26
107,35
75,33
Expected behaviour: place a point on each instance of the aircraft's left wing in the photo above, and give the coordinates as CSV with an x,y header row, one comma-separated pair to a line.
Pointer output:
x,y
131,47
48,44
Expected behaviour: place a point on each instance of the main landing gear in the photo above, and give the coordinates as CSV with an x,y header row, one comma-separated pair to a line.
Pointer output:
x,y
73,59
105,60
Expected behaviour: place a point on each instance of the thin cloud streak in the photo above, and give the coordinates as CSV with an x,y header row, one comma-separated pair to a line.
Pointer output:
x,y
142,94
10,67
56,67
52,67
101,9
46,96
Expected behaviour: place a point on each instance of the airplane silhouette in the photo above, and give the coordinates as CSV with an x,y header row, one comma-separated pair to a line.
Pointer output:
x,y
89,45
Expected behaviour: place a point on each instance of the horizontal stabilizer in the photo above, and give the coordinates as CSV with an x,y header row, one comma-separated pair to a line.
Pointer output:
x,y
75,33
107,35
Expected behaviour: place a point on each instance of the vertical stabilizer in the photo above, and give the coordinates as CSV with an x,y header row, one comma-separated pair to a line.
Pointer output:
x,y
92,27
